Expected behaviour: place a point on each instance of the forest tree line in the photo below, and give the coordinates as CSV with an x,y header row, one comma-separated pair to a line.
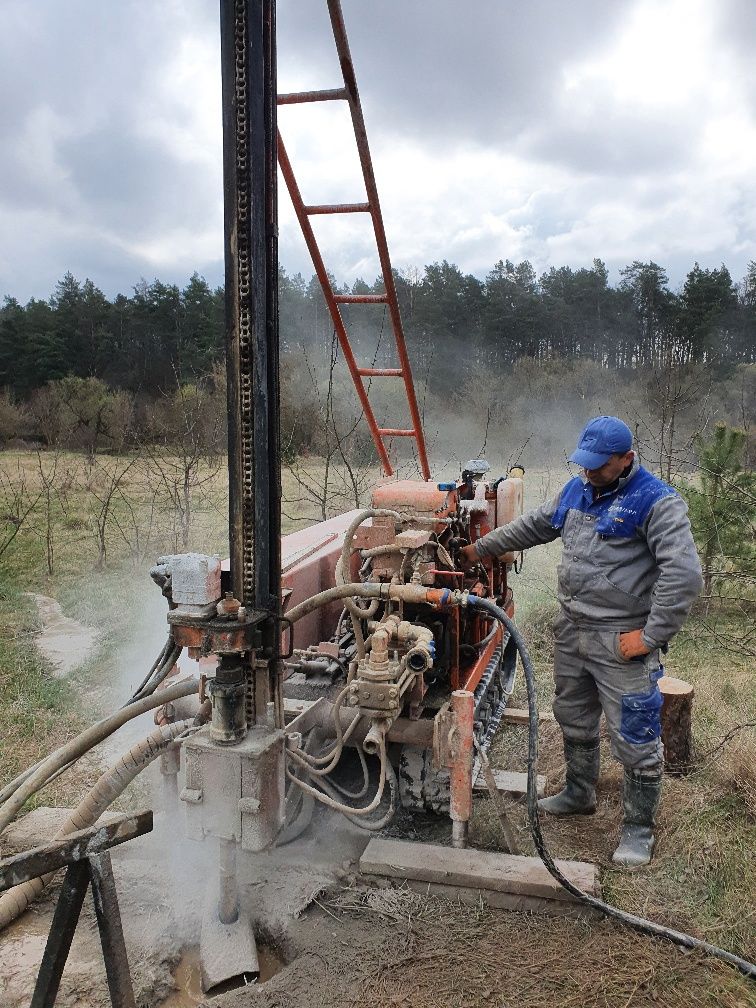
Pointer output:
x,y
140,342
92,373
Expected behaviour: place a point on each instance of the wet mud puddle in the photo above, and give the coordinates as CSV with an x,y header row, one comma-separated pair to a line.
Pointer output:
x,y
188,977
65,642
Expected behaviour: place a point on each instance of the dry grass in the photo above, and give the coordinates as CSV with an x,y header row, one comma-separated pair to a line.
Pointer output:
x,y
398,948
391,946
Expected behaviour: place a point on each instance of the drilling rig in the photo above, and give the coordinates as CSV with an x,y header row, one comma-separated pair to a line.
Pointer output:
x,y
360,639
363,622
355,651
364,643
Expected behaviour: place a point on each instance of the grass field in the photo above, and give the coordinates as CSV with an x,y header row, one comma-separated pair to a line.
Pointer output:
x,y
702,879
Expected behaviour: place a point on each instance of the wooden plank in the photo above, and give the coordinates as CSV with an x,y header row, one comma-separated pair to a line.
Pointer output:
x,y
510,782
39,861
64,922
474,869
518,716
504,901
109,924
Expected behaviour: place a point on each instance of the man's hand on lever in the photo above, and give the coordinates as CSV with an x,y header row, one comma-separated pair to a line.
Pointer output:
x,y
468,558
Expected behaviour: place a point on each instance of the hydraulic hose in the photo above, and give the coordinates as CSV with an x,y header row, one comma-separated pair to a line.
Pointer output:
x,y
109,787
158,661
631,920
342,574
338,806
161,671
373,825
162,665
368,590
87,740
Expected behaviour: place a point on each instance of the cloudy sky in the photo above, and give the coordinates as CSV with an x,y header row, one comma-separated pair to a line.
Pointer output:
x,y
552,130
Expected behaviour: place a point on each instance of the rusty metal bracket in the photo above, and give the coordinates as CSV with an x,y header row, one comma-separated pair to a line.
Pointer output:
x,y
443,737
286,624
86,854
222,636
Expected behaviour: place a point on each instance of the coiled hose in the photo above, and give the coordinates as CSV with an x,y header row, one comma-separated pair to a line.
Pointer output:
x,y
630,920
109,787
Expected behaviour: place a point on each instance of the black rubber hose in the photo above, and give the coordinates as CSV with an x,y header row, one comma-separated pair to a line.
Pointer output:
x,y
158,661
161,672
639,923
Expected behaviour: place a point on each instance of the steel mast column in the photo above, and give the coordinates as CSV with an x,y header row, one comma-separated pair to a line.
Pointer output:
x,y
251,254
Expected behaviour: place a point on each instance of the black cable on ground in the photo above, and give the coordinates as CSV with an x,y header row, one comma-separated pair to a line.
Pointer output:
x,y
646,927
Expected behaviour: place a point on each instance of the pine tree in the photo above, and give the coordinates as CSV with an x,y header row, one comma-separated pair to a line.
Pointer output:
x,y
722,507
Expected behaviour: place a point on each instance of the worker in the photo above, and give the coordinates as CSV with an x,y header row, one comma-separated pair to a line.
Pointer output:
x,y
627,580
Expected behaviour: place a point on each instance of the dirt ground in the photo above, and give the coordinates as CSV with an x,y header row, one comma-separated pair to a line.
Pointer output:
x,y
332,939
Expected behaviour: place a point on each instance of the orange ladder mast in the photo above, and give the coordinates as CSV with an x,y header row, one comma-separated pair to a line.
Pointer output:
x,y
350,94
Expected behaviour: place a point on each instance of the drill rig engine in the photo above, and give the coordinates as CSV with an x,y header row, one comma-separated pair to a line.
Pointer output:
x,y
399,661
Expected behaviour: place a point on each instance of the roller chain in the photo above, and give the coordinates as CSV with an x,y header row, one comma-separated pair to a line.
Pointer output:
x,y
422,787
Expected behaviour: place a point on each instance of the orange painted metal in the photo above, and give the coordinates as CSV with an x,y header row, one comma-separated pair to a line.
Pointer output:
x,y
415,496
463,708
372,206
325,283
454,647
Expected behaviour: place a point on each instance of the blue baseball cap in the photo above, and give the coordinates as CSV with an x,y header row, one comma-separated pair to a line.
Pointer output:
x,y
601,438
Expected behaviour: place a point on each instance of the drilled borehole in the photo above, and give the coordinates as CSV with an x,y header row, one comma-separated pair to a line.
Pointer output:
x,y
272,958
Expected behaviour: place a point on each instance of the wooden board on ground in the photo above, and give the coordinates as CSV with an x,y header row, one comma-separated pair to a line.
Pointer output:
x,y
474,869
510,782
516,716
504,901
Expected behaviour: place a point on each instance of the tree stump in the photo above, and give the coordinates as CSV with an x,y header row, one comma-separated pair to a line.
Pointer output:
x,y
676,724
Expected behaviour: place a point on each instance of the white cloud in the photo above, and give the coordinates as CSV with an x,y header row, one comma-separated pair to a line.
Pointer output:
x,y
546,131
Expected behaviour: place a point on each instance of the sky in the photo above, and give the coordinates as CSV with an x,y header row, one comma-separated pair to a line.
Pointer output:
x,y
545,130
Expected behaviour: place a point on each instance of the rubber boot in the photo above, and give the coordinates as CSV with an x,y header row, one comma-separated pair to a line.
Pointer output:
x,y
640,799
578,796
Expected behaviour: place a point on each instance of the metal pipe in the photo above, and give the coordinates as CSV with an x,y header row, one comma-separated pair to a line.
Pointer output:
x,y
228,886
300,97
460,832
397,593
460,804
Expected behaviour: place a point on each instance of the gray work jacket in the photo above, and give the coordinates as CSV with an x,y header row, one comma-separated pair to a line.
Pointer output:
x,y
647,580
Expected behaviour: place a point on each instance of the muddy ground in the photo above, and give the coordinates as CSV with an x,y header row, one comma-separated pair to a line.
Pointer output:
x,y
332,939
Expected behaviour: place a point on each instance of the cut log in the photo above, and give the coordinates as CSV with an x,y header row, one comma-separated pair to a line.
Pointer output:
x,y
475,869
676,724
